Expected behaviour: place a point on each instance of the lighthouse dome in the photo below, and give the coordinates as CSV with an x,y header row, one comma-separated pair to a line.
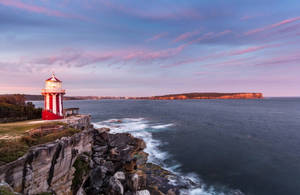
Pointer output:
x,y
53,84
53,78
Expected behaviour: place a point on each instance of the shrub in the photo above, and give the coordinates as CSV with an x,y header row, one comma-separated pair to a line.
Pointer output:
x,y
81,170
14,108
5,191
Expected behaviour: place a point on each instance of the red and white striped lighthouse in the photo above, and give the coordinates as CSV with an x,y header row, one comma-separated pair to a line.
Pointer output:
x,y
53,99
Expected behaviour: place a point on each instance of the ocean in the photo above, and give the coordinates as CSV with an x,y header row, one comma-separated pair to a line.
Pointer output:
x,y
226,147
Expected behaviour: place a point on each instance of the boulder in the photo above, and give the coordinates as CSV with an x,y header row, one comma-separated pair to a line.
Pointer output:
x,y
119,175
115,187
142,192
133,182
100,149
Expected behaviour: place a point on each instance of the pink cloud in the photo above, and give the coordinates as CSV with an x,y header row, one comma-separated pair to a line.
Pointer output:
x,y
248,50
156,37
287,21
203,37
186,35
214,56
78,58
38,9
209,35
150,56
224,32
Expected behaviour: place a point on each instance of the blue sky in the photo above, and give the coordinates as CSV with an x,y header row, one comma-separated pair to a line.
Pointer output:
x,y
143,48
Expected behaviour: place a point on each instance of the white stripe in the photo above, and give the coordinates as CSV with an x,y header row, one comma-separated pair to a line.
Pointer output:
x,y
47,102
60,105
54,104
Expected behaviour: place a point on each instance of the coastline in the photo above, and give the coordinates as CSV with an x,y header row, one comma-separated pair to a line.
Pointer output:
x,y
181,96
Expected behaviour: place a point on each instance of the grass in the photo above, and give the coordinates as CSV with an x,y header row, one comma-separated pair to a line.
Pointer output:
x,y
5,191
19,128
15,147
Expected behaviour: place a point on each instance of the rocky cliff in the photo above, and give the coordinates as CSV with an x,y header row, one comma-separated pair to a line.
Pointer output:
x,y
49,167
90,162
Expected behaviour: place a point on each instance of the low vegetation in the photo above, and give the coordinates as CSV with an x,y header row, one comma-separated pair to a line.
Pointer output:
x,y
16,141
82,168
5,191
15,108
19,128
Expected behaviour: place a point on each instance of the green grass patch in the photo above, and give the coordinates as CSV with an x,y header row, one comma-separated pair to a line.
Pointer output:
x,y
12,149
5,191
20,128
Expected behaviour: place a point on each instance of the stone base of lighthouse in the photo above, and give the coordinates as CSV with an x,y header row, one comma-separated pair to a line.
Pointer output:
x,y
46,115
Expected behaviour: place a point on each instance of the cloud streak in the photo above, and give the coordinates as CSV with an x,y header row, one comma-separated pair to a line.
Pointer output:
x,y
170,14
186,35
213,56
76,58
272,26
156,37
39,9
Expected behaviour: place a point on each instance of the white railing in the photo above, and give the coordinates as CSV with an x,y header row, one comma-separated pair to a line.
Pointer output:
x,y
53,91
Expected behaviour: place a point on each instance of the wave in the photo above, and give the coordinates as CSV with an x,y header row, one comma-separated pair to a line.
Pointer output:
x,y
162,126
143,129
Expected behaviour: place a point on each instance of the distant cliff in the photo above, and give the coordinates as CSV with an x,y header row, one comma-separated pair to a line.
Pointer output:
x,y
205,96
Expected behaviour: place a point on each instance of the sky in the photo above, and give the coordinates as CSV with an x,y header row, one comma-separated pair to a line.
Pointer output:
x,y
147,47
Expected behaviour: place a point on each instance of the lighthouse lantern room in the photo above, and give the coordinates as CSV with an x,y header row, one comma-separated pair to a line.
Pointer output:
x,y
53,99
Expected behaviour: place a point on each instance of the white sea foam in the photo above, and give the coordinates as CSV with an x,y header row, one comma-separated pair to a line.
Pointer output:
x,y
141,128
162,126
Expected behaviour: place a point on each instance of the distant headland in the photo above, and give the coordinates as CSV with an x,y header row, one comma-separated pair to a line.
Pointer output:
x,y
182,96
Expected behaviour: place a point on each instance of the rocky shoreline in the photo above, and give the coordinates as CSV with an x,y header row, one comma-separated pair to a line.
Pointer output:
x,y
93,161
119,166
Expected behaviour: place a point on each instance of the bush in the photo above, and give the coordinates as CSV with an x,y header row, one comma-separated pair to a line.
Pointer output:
x,y
82,168
14,108
11,150
5,191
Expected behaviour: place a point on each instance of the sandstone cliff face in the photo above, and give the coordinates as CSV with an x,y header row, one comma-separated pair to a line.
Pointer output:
x,y
49,167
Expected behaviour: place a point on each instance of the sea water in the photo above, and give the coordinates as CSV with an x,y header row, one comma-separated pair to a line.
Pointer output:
x,y
224,146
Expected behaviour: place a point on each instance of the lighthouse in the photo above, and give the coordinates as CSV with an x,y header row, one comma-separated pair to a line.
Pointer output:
x,y
53,99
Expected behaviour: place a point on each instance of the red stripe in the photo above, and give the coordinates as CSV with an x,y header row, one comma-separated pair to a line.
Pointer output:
x,y
62,103
45,102
51,103
57,104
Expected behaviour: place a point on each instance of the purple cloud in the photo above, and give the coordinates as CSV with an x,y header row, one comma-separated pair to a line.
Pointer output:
x,y
272,26
38,9
186,35
156,37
